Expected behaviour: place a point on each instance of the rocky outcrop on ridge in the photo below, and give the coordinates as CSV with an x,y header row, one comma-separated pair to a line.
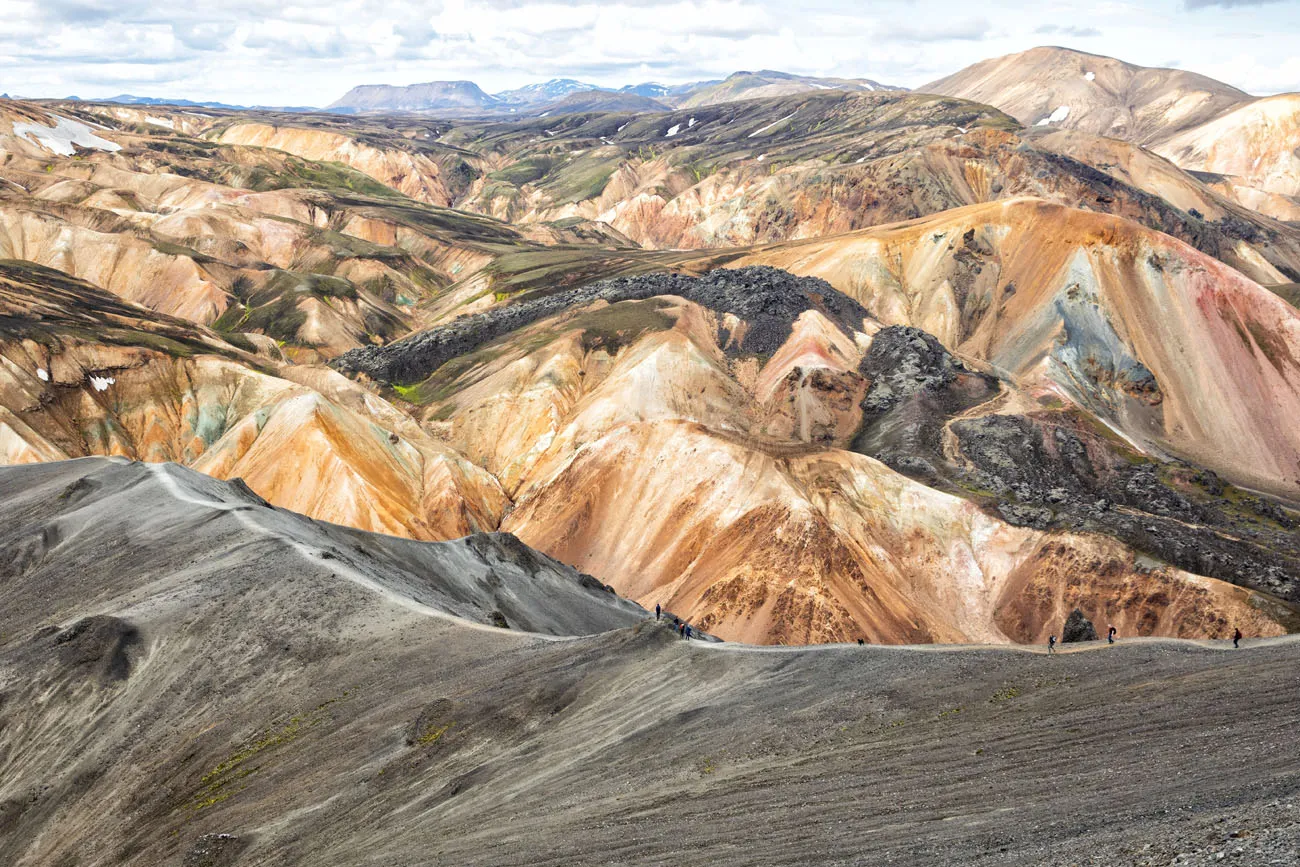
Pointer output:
x,y
767,300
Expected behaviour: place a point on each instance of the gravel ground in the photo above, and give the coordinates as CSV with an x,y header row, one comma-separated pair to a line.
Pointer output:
x,y
233,702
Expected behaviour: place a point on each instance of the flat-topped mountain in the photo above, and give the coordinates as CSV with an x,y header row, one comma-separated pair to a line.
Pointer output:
x,y
429,96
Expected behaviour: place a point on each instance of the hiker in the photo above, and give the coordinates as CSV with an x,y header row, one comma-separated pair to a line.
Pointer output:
x,y
1236,638
688,630
681,629
861,642
656,611
1051,644
1110,636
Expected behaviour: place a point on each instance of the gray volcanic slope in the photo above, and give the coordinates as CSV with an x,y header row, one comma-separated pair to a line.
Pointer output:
x,y
189,677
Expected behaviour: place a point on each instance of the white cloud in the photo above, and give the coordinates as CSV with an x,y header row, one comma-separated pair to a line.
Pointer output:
x,y
1251,74
943,31
291,52
1205,4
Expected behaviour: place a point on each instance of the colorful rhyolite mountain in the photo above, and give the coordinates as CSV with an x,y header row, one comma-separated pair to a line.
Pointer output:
x,y
1059,382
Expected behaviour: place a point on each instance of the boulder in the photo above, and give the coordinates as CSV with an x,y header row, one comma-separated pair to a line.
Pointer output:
x,y
1078,628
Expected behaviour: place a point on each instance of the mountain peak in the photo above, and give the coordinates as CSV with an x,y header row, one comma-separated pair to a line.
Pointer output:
x,y
556,88
427,96
1062,87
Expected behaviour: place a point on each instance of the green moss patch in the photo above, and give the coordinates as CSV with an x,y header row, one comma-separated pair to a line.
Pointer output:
x,y
227,777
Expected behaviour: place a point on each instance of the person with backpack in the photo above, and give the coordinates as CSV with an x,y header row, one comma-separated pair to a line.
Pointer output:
x,y
1051,644
656,611
1236,638
1110,636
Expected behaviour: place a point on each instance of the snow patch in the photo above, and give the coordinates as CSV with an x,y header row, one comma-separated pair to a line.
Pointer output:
x,y
42,374
867,86
773,123
690,123
160,121
621,128
62,136
101,383
820,86
673,130
1090,76
544,114
762,157
1055,117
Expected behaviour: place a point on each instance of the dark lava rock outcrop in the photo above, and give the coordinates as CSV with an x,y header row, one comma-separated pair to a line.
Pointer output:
x,y
1045,474
915,386
1078,628
905,361
99,646
1218,238
767,299
1057,470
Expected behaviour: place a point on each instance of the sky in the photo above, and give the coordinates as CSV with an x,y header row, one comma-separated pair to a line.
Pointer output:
x,y
283,52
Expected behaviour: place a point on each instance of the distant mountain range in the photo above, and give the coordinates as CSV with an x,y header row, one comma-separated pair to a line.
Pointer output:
x,y
437,96
559,88
131,99
601,100
556,94
550,91
767,83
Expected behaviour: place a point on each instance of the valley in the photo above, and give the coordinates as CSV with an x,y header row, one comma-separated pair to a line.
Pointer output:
x,y
450,270
741,469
